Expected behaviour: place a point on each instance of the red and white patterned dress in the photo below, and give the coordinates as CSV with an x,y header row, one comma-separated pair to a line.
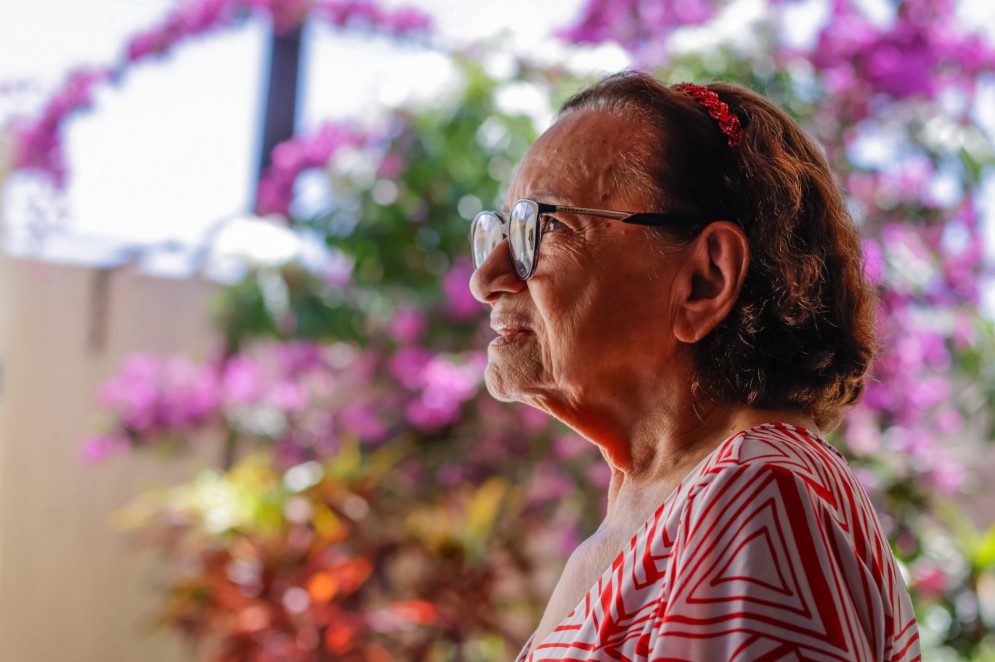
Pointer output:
x,y
768,550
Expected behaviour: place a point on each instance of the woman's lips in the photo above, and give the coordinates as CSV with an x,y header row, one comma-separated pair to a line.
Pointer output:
x,y
510,329
510,335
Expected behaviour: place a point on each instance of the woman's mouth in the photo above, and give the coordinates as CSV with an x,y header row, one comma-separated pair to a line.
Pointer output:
x,y
510,330
510,335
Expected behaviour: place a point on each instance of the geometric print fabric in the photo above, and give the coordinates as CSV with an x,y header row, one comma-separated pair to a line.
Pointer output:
x,y
768,550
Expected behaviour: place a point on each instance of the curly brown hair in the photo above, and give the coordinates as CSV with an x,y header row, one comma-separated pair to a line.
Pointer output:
x,y
801,335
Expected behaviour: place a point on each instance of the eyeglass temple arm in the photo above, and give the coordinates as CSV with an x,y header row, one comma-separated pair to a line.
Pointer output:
x,y
617,215
635,218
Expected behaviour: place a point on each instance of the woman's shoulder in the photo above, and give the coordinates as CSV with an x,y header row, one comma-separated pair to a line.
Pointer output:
x,y
791,484
779,539
774,445
777,450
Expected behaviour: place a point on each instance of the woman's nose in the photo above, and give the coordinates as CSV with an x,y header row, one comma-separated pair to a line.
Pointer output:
x,y
496,276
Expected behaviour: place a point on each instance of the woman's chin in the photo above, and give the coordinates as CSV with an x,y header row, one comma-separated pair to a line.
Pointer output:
x,y
509,383
497,385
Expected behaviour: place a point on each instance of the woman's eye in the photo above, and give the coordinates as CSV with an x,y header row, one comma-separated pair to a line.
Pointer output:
x,y
551,224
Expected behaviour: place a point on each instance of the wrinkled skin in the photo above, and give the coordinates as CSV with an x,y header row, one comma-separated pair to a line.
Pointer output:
x,y
601,335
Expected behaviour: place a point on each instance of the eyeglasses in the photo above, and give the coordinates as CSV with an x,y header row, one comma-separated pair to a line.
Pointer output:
x,y
524,230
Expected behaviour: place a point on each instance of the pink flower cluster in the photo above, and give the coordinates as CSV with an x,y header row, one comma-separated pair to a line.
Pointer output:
x,y
460,303
636,24
150,395
154,398
922,51
291,158
172,392
39,140
187,20
299,396
285,14
398,22
199,17
437,384
925,248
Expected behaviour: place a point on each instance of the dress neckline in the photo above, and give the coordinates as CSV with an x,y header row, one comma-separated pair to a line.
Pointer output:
x,y
526,654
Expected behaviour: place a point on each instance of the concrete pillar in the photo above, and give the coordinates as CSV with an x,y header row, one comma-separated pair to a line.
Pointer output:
x,y
70,588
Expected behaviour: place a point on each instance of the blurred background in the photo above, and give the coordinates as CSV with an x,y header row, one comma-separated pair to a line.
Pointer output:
x,y
241,408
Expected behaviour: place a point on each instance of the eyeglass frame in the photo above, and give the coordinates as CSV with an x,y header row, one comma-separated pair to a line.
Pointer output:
x,y
649,219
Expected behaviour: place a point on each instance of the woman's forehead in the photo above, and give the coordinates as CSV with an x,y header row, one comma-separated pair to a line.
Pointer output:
x,y
576,161
587,134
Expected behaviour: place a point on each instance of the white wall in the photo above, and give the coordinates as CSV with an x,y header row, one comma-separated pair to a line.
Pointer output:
x,y
71,589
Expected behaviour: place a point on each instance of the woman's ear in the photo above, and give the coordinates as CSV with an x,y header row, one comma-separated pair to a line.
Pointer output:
x,y
710,280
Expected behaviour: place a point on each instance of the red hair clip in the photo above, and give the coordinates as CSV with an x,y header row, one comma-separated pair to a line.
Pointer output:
x,y
717,108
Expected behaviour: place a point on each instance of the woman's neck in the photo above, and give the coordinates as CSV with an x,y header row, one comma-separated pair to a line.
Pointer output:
x,y
647,469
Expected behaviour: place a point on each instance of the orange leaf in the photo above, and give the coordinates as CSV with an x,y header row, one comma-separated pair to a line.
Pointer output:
x,y
339,638
377,653
252,619
323,587
353,573
414,611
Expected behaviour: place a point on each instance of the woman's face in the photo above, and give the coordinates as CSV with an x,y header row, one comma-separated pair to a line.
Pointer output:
x,y
594,321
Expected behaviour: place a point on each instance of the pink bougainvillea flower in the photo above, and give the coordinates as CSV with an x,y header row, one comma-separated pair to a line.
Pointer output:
x,y
571,446
294,156
407,325
188,393
297,357
133,393
172,393
97,448
901,64
38,142
460,303
636,23
363,420
930,580
241,380
407,364
391,166
443,388
288,396
873,262
548,484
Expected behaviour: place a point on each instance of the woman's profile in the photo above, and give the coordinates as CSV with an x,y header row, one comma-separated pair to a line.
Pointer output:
x,y
676,277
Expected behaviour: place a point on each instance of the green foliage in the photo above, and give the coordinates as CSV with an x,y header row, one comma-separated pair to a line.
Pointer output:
x,y
450,514
287,302
465,496
456,157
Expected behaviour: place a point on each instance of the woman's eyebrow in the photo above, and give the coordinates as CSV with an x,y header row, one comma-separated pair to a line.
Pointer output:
x,y
549,197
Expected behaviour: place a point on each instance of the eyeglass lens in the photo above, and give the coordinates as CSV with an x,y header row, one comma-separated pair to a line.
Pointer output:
x,y
523,236
487,235
523,229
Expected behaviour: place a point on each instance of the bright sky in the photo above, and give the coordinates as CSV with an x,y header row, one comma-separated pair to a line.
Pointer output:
x,y
169,154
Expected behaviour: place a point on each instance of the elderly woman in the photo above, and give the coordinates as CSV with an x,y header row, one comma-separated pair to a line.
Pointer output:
x,y
676,277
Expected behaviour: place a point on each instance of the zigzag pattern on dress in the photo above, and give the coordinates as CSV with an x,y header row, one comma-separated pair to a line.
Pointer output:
x,y
768,550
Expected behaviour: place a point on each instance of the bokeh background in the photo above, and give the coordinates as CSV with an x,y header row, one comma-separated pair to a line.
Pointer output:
x,y
242,415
